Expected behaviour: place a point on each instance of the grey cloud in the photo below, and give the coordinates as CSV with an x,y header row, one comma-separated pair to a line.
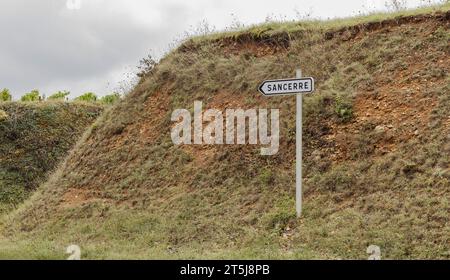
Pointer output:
x,y
44,43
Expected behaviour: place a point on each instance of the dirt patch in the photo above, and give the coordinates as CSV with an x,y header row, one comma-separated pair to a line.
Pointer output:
x,y
148,129
394,114
254,44
225,100
75,197
254,49
156,108
201,155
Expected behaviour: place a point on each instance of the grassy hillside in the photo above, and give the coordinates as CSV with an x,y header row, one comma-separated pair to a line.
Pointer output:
x,y
376,154
34,137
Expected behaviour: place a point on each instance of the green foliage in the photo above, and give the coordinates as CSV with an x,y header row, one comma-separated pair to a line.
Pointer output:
x,y
110,99
60,95
34,137
344,107
5,95
34,95
87,97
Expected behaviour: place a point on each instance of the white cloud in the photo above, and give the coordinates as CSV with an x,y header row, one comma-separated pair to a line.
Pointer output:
x,y
47,46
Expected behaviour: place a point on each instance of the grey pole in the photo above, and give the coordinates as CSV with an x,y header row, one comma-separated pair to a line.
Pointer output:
x,y
298,151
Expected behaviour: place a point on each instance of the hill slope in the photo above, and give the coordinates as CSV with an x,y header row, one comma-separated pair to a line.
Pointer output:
x,y
34,137
376,150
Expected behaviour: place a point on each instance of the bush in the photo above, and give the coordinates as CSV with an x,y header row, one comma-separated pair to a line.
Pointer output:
x,y
5,95
60,95
34,95
344,108
110,99
87,97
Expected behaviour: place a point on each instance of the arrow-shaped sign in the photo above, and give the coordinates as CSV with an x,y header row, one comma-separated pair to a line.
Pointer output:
x,y
287,86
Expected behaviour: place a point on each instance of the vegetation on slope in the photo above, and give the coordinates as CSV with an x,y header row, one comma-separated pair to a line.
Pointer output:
x,y
34,137
375,143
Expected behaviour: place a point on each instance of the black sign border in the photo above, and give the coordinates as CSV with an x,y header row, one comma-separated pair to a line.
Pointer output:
x,y
287,80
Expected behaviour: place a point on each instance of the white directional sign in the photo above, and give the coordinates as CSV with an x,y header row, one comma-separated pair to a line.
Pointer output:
x,y
287,86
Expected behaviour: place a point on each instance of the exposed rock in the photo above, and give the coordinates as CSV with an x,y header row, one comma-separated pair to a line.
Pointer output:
x,y
380,129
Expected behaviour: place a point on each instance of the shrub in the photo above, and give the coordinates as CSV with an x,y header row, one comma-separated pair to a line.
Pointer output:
x,y
344,107
60,95
110,99
34,95
5,95
88,97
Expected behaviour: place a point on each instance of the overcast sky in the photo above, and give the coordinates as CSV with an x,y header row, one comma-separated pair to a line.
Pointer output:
x,y
90,45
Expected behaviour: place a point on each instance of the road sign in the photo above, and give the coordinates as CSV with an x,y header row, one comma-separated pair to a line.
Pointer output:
x,y
296,86
287,86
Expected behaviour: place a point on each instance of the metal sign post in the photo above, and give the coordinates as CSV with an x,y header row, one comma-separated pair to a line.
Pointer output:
x,y
298,150
295,86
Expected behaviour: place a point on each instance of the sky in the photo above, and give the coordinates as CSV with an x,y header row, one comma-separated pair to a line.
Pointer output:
x,y
95,45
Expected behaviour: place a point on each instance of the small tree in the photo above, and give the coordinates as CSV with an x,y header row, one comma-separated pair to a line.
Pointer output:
x,y
87,97
110,99
60,95
5,95
34,95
